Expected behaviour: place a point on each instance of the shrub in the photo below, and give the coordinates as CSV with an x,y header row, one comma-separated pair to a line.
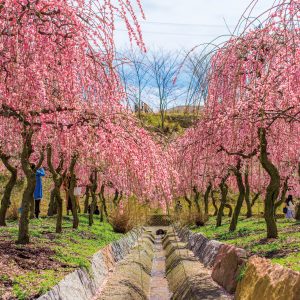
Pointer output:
x,y
121,222
193,219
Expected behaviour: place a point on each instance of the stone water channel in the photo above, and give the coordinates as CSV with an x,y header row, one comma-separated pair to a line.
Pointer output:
x,y
159,267
178,265
159,287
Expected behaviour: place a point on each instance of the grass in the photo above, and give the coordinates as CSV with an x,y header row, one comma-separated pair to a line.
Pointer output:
x,y
174,122
251,235
40,282
69,250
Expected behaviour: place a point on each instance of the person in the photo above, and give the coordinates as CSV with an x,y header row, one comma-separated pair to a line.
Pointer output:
x,y
96,211
178,207
38,191
290,207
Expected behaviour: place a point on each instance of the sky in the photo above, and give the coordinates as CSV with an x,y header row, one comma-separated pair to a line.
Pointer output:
x,y
183,24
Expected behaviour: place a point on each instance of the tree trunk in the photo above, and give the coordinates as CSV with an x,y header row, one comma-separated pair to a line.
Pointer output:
x,y
284,190
297,212
55,193
52,208
86,200
101,213
199,219
162,116
117,198
32,204
103,201
255,198
247,194
59,204
220,214
93,180
92,209
5,202
78,204
273,187
206,197
197,199
71,192
23,235
227,205
239,203
214,203
73,201
224,192
189,202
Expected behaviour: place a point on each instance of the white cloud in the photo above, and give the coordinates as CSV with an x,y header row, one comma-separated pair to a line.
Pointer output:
x,y
209,15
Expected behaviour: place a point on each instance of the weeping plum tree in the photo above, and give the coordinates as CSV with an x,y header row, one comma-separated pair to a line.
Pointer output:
x,y
52,75
258,118
251,112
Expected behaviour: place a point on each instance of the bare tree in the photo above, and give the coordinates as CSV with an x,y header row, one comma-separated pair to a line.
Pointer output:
x,y
164,67
134,71
196,68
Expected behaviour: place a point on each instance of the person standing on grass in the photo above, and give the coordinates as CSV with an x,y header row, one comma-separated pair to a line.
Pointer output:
x,y
38,191
290,207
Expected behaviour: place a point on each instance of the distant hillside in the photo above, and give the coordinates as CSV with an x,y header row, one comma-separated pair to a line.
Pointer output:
x,y
185,109
175,122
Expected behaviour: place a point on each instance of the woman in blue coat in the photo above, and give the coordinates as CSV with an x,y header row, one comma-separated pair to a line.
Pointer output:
x,y
38,191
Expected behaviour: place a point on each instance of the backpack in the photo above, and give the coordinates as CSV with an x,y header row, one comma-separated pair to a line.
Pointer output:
x,y
285,210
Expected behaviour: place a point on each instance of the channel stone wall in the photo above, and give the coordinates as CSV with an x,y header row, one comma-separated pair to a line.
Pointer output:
x,y
84,285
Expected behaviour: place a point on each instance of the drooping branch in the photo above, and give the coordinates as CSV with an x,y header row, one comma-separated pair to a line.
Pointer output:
x,y
238,153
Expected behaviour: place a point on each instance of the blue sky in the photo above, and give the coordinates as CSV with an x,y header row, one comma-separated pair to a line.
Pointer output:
x,y
174,25
183,24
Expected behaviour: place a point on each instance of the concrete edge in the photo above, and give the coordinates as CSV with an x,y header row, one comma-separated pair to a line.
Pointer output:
x,y
83,285
213,255
227,262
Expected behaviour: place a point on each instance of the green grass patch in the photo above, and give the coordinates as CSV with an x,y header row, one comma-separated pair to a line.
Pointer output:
x,y
71,249
174,122
33,283
242,272
251,235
